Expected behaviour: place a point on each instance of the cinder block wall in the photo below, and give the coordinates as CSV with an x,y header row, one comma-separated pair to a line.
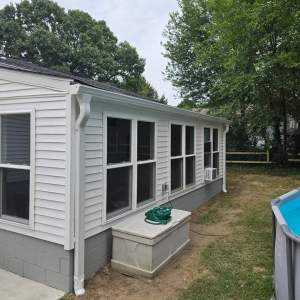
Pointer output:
x,y
38,260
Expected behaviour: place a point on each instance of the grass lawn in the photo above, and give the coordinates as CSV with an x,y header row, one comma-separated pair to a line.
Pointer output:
x,y
240,264
230,256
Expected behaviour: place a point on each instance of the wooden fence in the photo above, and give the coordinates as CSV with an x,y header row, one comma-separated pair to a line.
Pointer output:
x,y
244,157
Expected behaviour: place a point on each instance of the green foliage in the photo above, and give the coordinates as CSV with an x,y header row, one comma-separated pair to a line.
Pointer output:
x,y
43,32
239,55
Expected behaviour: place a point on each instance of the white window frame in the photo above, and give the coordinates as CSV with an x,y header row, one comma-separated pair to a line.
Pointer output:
x,y
183,157
10,220
109,218
212,152
218,149
190,155
144,162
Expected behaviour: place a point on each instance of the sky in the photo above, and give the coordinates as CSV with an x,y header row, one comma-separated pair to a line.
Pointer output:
x,y
141,23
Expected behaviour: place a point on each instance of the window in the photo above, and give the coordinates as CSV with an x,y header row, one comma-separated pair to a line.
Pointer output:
x,y
145,140
145,182
190,170
118,189
176,140
130,165
15,167
216,149
118,140
182,159
207,148
176,158
119,166
189,155
211,148
145,164
189,140
176,174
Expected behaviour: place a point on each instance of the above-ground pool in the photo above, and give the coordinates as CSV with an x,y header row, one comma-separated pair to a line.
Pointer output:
x,y
286,246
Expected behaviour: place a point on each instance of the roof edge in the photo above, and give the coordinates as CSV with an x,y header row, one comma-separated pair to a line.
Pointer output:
x,y
119,97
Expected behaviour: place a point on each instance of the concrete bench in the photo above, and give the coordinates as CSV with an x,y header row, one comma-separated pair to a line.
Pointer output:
x,y
143,249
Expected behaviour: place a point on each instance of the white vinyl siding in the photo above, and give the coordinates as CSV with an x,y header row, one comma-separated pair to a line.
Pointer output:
x,y
49,165
199,154
93,173
162,167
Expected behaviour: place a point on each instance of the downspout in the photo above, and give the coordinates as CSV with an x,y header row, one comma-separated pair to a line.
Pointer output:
x,y
224,159
84,101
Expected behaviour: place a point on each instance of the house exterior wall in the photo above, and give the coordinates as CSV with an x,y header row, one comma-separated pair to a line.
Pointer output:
x,y
42,250
95,219
46,100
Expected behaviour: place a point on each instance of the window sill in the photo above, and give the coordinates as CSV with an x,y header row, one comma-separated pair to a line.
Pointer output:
x,y
24,225
131,211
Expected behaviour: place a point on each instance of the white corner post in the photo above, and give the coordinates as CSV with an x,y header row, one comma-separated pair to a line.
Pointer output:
x,y
224,188
79,234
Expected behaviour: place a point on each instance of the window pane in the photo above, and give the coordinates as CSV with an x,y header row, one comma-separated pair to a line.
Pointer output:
x,y
189,140
118,189
145,182
207,160
207,147
118,140
216,160
15,139
176,140
15,193
206,135
145,140
215,140
190,170
176,174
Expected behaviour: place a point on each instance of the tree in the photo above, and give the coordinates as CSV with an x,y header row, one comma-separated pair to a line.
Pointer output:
x,y
241,55
42,32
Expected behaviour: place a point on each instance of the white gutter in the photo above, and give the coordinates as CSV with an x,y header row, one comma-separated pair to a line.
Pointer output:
x,y
79,234
224,158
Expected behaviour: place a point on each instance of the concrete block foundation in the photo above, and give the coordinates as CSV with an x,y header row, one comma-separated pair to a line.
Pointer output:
x,y
38,260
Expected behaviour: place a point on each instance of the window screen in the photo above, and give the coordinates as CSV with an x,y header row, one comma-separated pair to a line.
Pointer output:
x,y
189,170
118,140
215,140
189,140
15,139
15,193
118,189
145,182
15,173
176,140
145,140
176,174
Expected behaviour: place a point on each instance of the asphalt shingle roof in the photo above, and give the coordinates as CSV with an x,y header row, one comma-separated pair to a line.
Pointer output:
x,y
25,66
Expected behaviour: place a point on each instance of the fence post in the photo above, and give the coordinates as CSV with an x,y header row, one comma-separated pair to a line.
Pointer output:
x,y
268,156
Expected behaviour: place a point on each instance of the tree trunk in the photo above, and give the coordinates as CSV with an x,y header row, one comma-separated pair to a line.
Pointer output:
x,y
277,146
280,138
284,159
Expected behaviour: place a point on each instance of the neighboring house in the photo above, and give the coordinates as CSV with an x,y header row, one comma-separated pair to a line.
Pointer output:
x,y
78,156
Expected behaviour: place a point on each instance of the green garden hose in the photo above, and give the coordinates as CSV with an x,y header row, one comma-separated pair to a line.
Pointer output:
x,y
158,215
